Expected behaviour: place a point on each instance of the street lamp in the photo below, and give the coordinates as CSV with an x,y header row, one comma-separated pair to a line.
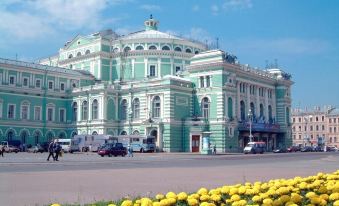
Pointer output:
x,y
306,133
250,117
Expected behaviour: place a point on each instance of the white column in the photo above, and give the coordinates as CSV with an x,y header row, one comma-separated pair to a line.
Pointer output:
x,y
248,98
159,67
146,66
99,69
110,70
133,62
266,105
256,92
238,101
226,106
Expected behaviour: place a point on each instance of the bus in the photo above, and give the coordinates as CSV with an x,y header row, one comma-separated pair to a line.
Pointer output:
x,y
90,143
138,143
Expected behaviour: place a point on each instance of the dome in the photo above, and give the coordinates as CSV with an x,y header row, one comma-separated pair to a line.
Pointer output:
x,y
150,34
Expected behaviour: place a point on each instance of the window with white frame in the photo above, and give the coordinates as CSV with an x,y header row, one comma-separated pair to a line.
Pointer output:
x,y
62,115
50,85
25,82
208,81
152,71
25,111
136,108
38,83
205,105
84,110
37,113
177,69
50,114
11,111
95,109
11,80
202,84
156,107
124,106
62,86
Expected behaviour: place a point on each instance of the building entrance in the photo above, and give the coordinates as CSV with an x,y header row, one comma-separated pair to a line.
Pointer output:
x,y
195,143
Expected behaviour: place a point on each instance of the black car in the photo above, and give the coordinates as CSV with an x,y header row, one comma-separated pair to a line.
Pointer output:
x,y
116,149
307,149
280,150
293,149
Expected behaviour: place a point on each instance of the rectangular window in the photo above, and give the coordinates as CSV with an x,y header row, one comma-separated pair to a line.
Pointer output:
x,y
50,85
208,81
24,112
11,111
11,80
323,127
330,120
177,69
50,114
202,82
62,86
38,83
62,115
25,82
152,71
37,113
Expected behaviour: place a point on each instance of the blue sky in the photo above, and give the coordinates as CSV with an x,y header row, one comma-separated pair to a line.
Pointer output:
x,y
302,35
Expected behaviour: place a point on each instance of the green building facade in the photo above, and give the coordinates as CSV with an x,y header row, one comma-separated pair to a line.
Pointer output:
x,y
149,83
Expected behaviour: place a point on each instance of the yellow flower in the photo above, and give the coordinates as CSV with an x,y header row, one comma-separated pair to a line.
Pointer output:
x,y
127,203
182,196
277,202
225,189
156,203
285,198
164,202
296,198
205,198
324,196
146,202
310,195
267,201
242,190
194,196
235,198
192,202
336,203
233,191
216,198
334,196
171,195
55,204
159,196
171,200
256,198
204,204
111,204
202,191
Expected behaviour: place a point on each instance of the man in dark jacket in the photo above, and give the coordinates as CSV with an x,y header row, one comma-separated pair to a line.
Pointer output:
x,y
57,150
51,150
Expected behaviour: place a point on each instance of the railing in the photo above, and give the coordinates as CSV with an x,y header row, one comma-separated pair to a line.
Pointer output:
x,y
259,127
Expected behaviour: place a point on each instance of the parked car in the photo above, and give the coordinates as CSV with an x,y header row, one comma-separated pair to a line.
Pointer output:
x,y
8,147
280,150
293,149
318,149
331,149
36,149
112,150
307,149
255,147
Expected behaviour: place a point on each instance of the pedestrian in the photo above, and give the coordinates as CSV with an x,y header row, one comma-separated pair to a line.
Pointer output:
x,y
2,150
215,150
129,151
57,150
51,150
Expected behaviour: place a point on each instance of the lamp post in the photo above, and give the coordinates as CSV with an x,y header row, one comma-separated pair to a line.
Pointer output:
x,y
307,119
250,117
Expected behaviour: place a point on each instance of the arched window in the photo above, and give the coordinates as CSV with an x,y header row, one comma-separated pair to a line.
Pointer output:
x,y
230,107
75,111
205,106
49,136
136,108
70,56
84,110
124,109
87,51
188,50
127,49
196,52
73,134
261,110
270,113
178,49
95,133
78,54
37,136
115,50
156,107
166,48
10,135
139,47
62,135
252,109
242,110
136,132
95,109
123,133
24,136
152,47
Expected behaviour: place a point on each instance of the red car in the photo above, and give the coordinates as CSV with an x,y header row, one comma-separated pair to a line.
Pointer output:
x,y
293,149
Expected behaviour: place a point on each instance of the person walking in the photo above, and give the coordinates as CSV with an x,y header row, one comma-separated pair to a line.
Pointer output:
x,y
129,151
215,150
57,150
51,150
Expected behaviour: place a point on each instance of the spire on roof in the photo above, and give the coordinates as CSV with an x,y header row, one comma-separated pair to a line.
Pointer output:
x,y
151,24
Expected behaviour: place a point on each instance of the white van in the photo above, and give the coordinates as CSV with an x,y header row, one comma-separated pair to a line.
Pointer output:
x,y
88,143
65,144
138,143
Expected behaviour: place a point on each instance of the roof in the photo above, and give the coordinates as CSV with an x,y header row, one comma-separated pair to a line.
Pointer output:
x,y
334,112
150,34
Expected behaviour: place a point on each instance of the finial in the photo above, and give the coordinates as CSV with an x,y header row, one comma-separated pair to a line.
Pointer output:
x,y
151,17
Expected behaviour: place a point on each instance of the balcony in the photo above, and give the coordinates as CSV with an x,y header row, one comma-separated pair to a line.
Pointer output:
x,y
259,127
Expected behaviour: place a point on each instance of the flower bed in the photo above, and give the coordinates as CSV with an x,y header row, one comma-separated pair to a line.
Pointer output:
x,y
321,189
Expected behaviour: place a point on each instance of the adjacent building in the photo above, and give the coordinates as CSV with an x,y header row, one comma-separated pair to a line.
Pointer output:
x,y
149,83
317,126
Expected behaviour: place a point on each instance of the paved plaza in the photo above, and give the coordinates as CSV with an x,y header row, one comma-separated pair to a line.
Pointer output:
x,y
28,179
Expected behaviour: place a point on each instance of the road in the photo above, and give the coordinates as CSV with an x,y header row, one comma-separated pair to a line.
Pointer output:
x,y
28,179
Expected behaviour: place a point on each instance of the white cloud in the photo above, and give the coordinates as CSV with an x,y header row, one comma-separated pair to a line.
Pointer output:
x,y
196,8
199,34
215,9
150,7
237,4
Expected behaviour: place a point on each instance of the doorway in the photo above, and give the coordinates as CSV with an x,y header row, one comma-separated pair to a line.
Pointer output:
x,y
195,143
